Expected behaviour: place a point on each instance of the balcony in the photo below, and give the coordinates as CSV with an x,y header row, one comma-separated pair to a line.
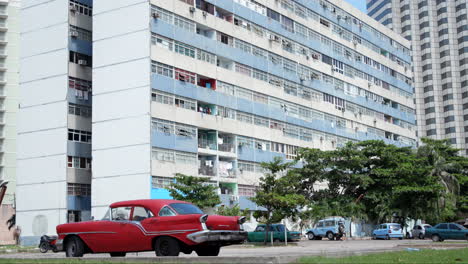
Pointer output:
x,y
226,143
227,168
206,165
207,141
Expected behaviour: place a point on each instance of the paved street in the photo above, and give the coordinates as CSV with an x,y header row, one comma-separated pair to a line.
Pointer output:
x,y
276,254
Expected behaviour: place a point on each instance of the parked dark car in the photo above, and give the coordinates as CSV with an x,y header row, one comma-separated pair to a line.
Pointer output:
x,y
444,231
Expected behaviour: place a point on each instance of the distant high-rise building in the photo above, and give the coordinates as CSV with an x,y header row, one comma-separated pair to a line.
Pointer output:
x,y
439,35
9,93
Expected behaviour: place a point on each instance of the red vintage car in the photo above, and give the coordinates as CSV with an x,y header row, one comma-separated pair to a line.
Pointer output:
x,y
166,226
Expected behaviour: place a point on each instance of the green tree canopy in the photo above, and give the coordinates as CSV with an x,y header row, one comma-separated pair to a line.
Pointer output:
x,y
195,190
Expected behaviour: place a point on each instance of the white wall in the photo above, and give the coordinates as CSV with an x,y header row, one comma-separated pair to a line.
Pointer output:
x,y
121,103
42,129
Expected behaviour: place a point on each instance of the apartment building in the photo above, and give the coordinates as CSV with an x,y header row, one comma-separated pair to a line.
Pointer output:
x,y
214,88
438,32
54,128
9,92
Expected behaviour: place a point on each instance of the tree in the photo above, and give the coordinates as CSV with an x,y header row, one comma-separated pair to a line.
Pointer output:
x,y
277,194
233,211
451,171
195,190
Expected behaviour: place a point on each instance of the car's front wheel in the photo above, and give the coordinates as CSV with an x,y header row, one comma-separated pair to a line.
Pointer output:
x,y
118,254
330,236
166,246
74,248
310,236
436,238
421,236
208,251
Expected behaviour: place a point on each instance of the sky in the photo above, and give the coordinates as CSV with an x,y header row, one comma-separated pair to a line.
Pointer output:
x,y
360,4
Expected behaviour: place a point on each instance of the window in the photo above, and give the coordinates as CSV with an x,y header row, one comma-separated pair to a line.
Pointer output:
x,y
161,42
185,209
162,69
121,213
161,182
140,213
79,110
166,211
81,33
79,163
185,76
78,189
79,136
83,9
184,49
163,155
80,59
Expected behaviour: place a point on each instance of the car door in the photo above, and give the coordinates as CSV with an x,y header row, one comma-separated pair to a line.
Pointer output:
x,y
442,230
383,230
137,232
258,235
319,229
455,232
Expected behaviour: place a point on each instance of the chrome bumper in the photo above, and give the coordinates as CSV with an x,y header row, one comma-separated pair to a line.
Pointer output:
x,y
59,244
218,235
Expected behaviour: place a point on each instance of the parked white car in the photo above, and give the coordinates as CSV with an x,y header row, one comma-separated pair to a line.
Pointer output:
x,y
418,231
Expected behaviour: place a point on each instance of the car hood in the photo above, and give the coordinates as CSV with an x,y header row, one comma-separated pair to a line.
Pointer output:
x,y
219,222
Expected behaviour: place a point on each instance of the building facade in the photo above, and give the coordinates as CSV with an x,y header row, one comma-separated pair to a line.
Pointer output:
x,y
213,88
9,93
54,128
438,32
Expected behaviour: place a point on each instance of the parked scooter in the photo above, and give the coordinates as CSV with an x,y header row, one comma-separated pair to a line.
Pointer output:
x,y
48,243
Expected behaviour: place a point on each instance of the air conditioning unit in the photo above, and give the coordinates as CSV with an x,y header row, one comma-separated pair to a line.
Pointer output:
x,y
302,78
155,15
73,8
74,33
355,42
192,9
83,62
315,56
204,13
233,198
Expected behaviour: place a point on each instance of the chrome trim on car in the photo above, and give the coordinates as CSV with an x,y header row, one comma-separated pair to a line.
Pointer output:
x,y
217,235
94,232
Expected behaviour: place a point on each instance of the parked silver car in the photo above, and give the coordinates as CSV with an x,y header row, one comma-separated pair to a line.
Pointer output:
x,y
418,231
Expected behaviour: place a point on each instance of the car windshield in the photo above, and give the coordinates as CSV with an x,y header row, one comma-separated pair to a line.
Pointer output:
x,y
107,215
186,209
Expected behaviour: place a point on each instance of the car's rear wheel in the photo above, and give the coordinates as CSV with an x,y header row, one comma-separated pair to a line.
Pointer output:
x,y
330,236
310,236
166,246
74,248
118,254
436,238
208,251
421,236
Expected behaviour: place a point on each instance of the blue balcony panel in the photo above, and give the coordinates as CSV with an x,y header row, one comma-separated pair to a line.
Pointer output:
x,y
78,149
171,141
160,194
279,71
81,46
79,203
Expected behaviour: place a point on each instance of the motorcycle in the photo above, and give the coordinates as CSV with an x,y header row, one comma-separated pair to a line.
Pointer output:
x,y
48,243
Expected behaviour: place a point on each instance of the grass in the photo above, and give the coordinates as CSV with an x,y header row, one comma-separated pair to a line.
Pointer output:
x,y
423,256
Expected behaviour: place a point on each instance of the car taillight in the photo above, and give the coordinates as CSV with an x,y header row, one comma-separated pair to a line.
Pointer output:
x,y
390,231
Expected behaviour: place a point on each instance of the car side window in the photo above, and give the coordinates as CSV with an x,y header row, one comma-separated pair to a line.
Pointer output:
x,y
260,229
166,211
121,213
442,226
454,227
419,227
320,224
141,213
384,226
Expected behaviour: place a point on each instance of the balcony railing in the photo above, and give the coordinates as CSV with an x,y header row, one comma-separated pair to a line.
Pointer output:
x,y
206,170
227,147
206,144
